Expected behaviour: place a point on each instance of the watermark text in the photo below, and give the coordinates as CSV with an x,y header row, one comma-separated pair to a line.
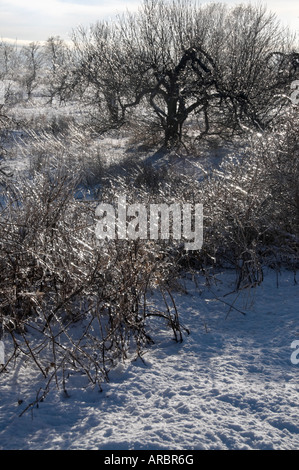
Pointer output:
x,y
155,221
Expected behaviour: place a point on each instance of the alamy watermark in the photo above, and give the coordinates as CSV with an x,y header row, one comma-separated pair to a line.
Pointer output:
x,y
295,93
2,91
295,354
152,221
2,354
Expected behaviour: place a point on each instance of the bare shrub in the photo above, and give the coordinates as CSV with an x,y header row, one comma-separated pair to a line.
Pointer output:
x,y
55,275
73,149
251,203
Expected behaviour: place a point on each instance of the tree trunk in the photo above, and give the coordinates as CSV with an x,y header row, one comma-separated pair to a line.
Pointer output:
x,y
172,124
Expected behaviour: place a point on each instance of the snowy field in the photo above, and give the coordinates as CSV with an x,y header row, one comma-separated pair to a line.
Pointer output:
x,y
94,119
231,384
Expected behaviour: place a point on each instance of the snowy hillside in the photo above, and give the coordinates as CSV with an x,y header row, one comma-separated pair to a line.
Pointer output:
x,y
231,384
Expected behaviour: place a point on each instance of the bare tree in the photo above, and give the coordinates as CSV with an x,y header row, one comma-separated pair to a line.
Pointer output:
x,y
142,57
32,60
8,60
56,66
253,66
107,72
184,59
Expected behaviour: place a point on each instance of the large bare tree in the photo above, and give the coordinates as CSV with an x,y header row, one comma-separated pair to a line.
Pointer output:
x,y
181,59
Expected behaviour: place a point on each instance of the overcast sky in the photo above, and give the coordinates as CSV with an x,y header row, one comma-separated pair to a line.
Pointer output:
x,y
36,20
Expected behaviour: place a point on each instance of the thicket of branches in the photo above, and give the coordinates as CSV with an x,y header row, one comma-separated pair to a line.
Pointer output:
x,y
55,274
252,206
70,304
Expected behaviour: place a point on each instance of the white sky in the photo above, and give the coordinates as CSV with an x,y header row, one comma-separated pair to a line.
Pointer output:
x,y
36,20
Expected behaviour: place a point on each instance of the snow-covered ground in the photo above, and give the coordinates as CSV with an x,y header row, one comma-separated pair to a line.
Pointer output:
x,y
231,384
